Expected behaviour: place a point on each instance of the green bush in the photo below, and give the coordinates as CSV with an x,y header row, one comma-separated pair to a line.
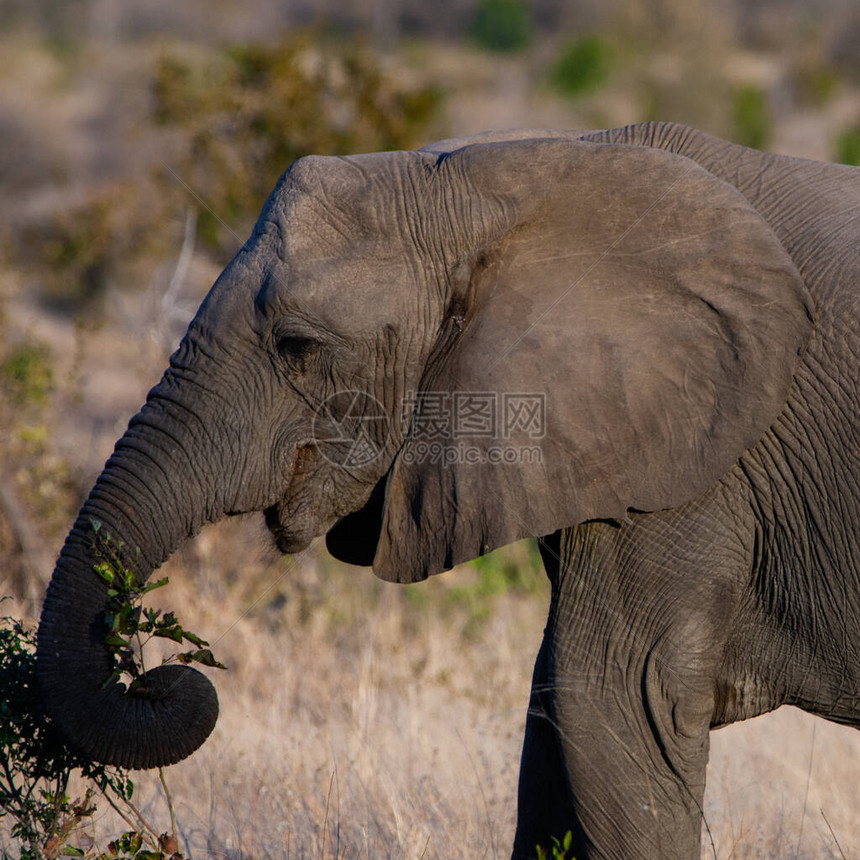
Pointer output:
x,y
246,113
815,84
235,119
35,765
470,596
581,67
558,850
502,25
848,146
25,373
78,252
129,625
79,245
751,117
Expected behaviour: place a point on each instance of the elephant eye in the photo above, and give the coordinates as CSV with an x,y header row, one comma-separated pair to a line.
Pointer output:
x,y
296,350
292,346
295,347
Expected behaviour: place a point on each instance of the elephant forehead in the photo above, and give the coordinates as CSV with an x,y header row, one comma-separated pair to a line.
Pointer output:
x,y
332,279
322,201
347,260
350,294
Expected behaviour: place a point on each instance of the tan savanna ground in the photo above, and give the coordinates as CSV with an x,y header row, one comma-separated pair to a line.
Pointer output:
x,y
358,719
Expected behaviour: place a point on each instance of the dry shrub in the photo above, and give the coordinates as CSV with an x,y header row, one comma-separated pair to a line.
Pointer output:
x,y
248,112
223,124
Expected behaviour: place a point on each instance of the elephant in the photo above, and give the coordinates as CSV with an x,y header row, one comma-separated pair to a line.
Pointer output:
x,y
639,345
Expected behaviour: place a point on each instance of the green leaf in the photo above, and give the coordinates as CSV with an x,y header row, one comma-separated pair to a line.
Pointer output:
x,y
71,851
204,656
194,639
114,677
151,586
174,633
105,571
128,619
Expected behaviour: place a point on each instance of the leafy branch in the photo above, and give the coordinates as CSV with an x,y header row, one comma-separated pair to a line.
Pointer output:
x,y
36,767
35,763
130,626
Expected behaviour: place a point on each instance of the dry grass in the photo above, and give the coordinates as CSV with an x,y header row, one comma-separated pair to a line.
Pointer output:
x,y
355,722
783,785
358,724
372,725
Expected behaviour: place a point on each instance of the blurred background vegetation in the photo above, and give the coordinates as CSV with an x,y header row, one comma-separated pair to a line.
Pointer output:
x,y
139,142
117,118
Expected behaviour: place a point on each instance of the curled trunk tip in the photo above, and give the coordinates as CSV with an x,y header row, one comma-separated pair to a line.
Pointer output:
x,y
161,721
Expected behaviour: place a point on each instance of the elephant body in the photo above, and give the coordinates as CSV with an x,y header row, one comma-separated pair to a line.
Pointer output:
x,y
726,607
685,308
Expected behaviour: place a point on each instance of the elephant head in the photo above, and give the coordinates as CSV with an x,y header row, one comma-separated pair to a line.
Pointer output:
x,y
647,307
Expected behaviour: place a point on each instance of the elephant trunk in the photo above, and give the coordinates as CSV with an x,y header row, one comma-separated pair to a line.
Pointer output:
x,y
149,497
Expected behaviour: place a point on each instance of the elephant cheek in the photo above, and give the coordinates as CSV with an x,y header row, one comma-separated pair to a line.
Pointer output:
x,y
293,528
307,507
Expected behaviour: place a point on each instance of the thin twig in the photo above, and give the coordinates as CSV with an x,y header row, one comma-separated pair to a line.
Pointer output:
x,y
325,820
426,846
806,794
144,827
841,852
740,836
138,827
337,813
61,784
171,310
169,799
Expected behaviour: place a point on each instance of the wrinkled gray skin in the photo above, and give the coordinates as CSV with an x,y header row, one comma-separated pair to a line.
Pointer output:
x,y
689,309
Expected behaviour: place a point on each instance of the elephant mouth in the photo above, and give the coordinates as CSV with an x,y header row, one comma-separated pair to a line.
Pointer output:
x,y
289,539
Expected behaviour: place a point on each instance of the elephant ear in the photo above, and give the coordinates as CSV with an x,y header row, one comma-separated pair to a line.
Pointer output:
x,y
620,337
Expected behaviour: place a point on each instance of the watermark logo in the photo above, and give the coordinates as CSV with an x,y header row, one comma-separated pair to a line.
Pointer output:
x,y
459,453
351,428
473,427
473,414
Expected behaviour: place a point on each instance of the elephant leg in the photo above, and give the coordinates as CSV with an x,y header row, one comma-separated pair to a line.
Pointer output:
x,y
617,736
544,802
634,754
611,766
